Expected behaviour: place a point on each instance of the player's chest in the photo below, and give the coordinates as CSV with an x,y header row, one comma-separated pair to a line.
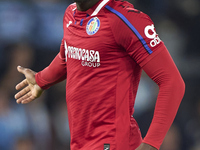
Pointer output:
x,y
90,41
88,32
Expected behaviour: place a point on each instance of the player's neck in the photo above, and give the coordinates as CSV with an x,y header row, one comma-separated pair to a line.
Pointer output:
x,y
83,6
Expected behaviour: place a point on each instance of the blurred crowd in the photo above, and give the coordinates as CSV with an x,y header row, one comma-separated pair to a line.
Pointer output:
x,y
30,36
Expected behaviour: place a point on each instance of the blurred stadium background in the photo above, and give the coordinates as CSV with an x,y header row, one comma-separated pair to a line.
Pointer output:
x,y
30,36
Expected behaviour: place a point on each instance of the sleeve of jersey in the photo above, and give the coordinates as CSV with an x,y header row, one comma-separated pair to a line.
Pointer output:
x,y
54,73
164,72
135,32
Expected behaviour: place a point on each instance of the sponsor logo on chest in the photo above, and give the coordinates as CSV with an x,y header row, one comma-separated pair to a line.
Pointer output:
x,y
88,58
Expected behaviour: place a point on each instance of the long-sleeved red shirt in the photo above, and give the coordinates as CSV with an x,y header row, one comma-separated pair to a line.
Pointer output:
x,y
102,54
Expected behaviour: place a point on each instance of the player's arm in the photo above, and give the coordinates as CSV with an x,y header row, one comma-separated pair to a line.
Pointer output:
x,y
162,70
55,72
142,43
35,83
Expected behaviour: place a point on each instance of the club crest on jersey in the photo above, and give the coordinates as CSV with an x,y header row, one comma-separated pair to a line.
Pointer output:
x,y
93,26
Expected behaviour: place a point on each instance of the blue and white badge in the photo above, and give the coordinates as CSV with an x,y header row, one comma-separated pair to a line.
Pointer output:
x,y
93,26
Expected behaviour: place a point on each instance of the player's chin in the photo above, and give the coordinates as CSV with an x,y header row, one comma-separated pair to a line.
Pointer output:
x,y
79,1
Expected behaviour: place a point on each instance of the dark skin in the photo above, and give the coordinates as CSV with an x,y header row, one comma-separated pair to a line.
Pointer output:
x,y
29,88
84,5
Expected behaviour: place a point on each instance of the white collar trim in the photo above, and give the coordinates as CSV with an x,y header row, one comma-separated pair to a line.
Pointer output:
x,y
99,7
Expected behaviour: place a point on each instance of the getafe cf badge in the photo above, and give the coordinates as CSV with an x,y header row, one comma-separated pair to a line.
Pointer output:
x,y
93,26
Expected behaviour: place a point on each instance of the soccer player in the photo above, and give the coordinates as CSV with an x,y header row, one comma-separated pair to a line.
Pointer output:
x,y
105,46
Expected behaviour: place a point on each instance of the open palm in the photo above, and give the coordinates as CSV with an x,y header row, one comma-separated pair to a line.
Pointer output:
x,y
29,89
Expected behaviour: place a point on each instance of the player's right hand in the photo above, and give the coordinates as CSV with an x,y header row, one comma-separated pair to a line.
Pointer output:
x,y
144,146
29,89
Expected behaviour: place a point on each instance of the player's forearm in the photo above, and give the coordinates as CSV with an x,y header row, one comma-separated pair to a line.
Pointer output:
x,y
168,102
171,91
54,73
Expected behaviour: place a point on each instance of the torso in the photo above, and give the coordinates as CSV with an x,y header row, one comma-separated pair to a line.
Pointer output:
x,y
102,80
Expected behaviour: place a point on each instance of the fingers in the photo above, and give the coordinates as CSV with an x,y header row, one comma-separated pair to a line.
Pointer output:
x,y
22,92
21,85
28,97
27,93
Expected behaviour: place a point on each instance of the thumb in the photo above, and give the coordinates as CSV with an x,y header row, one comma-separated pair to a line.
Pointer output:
x,y
21,69
28,73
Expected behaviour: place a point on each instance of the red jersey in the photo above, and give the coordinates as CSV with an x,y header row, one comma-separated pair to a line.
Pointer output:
x,y
105,48
103,51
